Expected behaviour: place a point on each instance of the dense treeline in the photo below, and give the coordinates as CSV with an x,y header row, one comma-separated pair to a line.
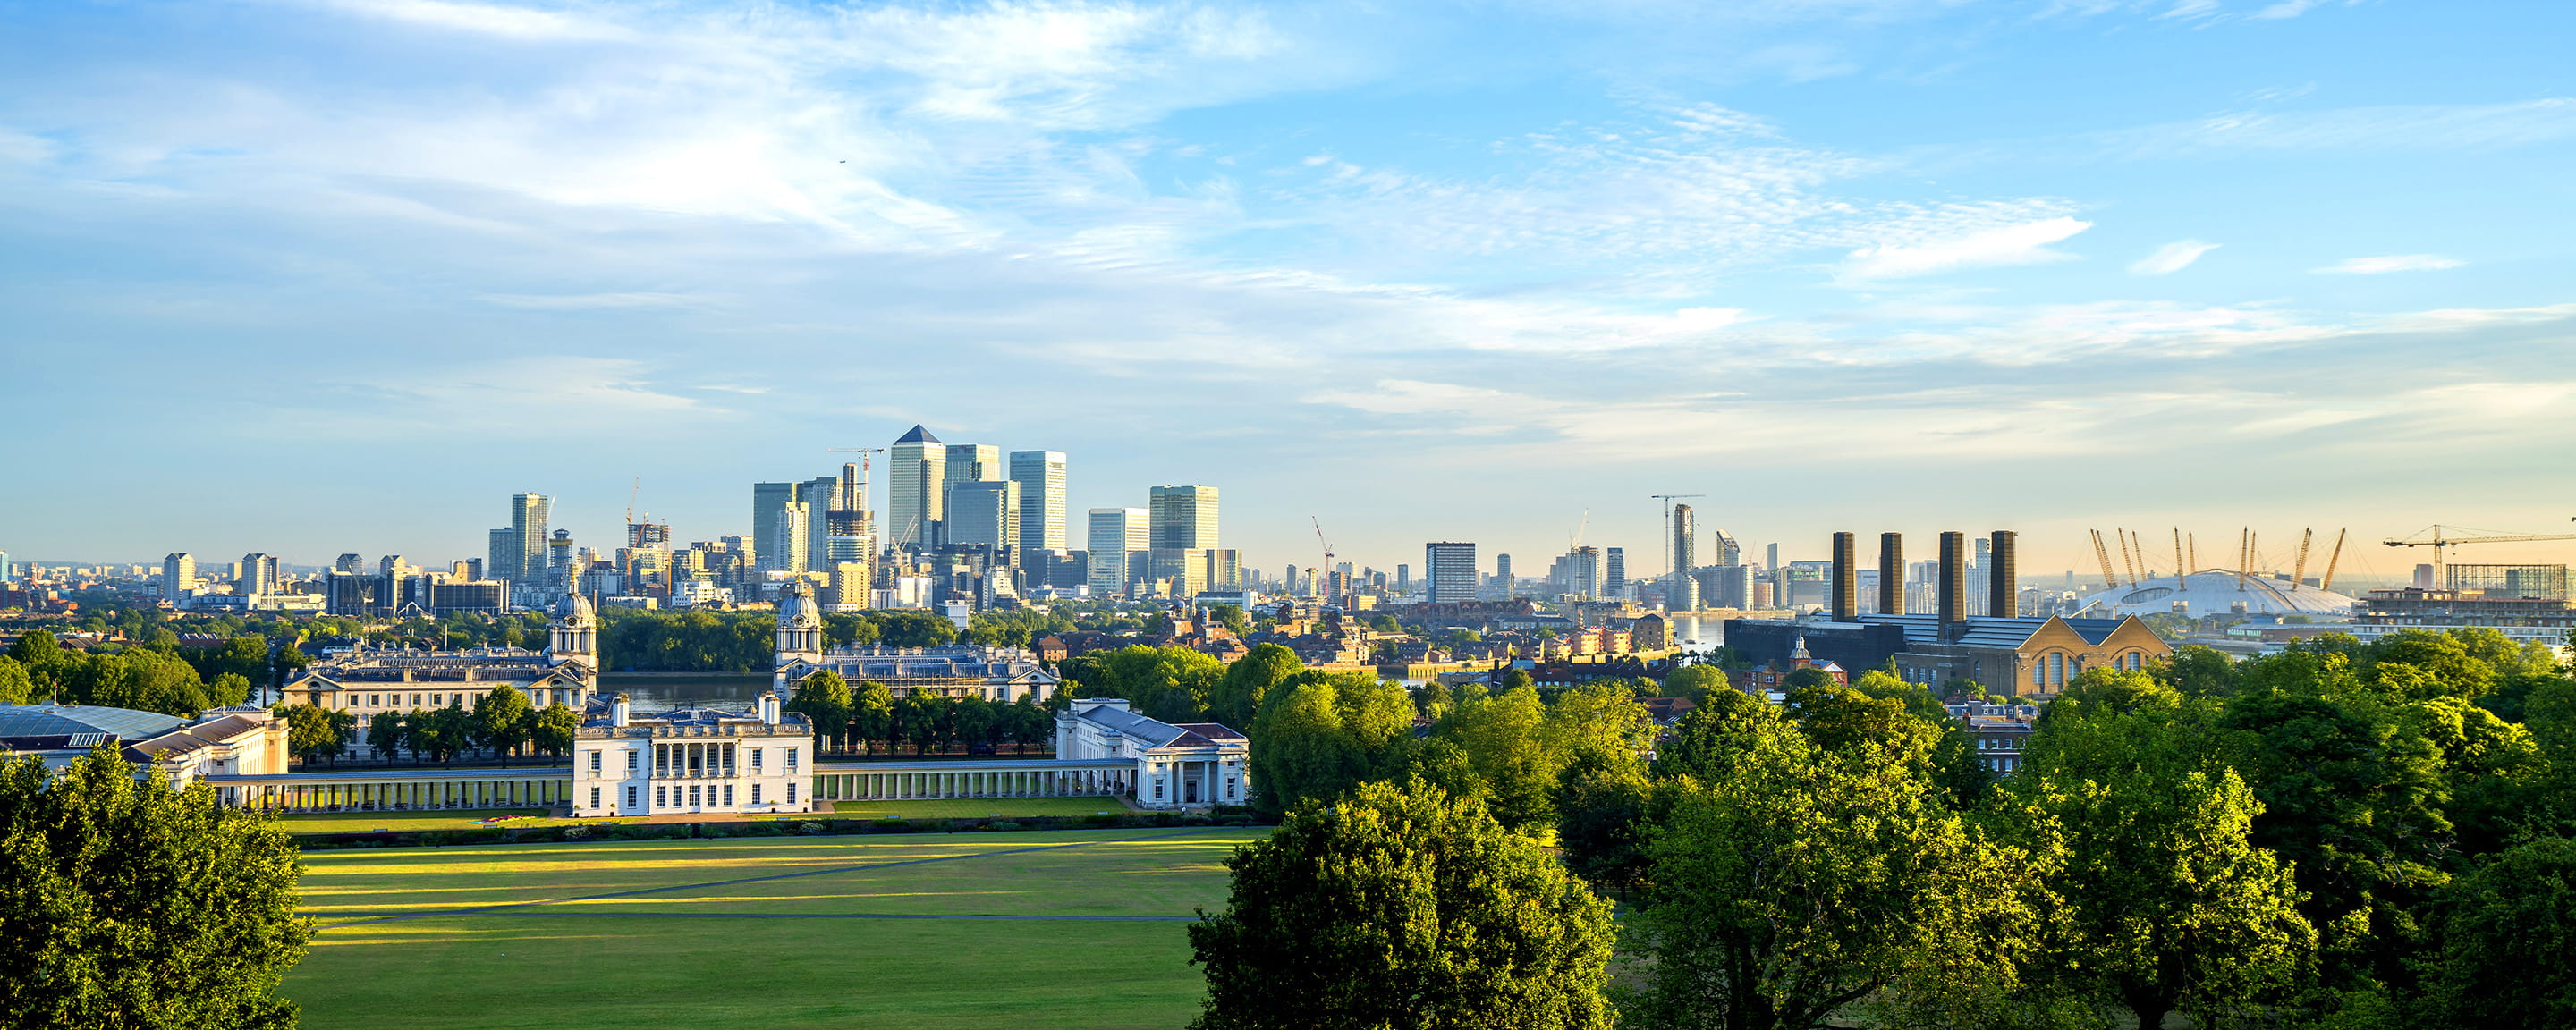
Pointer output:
x,y
159,677
2342,835
869,715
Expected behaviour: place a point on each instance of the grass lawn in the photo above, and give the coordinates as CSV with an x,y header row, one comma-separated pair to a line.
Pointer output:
x,y
957,808
701,956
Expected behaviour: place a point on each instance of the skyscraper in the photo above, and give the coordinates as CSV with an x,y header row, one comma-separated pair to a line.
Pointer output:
x,y
984,514
1184,517
1728,552
792,528
528,516
976,463
1040,476
1118,539
1685,540
916,484
178,577
349,563
1614,573
767,500
820,495
1450,568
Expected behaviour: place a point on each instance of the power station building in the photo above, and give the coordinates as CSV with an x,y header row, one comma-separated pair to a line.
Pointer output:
x,y
2007,655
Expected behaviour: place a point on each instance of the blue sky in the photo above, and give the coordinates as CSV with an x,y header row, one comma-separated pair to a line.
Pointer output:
x,y
313,277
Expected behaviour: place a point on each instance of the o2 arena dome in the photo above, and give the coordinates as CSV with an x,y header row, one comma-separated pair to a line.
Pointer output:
x,y
2216,592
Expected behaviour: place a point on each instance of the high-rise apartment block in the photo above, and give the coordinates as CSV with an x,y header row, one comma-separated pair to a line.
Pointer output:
x,y
518,553
1118,539
1450,569
178,577
916,486
1685,540
1040,478
258,575
1614,573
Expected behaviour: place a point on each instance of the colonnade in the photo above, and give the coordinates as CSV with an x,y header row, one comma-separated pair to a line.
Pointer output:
x,y
971,783
362,796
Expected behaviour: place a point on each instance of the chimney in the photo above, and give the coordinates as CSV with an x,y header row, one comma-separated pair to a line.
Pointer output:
x,y
769,707
1846,580
1953,585
2003,596
1891,574
617,711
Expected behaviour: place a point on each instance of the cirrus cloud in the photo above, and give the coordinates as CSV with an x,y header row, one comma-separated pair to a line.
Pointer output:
x,y
2385,264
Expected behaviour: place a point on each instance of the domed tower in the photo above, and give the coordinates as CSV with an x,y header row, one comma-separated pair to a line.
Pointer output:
x,y
800,625
574,635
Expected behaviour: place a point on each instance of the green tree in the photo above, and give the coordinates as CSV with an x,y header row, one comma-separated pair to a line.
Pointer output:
x,y
1600,804
1503,739
1695,682
313,732
2169,902
1798,880
16,687
2505,936
131,905
501,719
1401,907
1239,692
871,715
227,690
1301,751
825,701
1173,684
385,734
551,731
974,720
922,720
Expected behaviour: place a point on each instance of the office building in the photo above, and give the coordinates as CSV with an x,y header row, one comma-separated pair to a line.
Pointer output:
x,y
976,463
1184,517
1614,573
1578,573
8,569
916,486
1727,551
984,514
178,577
349,563
1450,568
1118,539
1043,519
767,500
819,496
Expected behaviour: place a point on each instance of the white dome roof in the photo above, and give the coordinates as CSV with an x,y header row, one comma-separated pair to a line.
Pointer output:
x,y
2216,592
574,608
798,609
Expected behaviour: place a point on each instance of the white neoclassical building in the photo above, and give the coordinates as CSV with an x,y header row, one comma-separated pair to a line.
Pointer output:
x,y
692,760
366,680
1177,765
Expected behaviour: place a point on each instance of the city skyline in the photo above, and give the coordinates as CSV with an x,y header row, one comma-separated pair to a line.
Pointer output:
x,y
1819,263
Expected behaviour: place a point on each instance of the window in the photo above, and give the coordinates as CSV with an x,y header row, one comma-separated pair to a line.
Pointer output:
x,y
2039,672
594,761
375,701
1229,786
659,798
755,789
755,761
693,796
728,794
791,793
630,796
439,700
1158,790
791,760
630,761
594,797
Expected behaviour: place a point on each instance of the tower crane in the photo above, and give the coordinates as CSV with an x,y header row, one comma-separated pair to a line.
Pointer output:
x,y
2441,544
1326,570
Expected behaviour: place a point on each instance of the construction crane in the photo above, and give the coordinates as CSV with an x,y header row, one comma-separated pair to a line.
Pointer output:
x,y
1668,500
866,473
2110,578
2327,584
2441,544
631,493
1325,570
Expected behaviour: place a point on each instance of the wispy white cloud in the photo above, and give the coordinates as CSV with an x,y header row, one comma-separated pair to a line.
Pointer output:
x,y
594,301
2172,257
2022,244
2391,127
2385,264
